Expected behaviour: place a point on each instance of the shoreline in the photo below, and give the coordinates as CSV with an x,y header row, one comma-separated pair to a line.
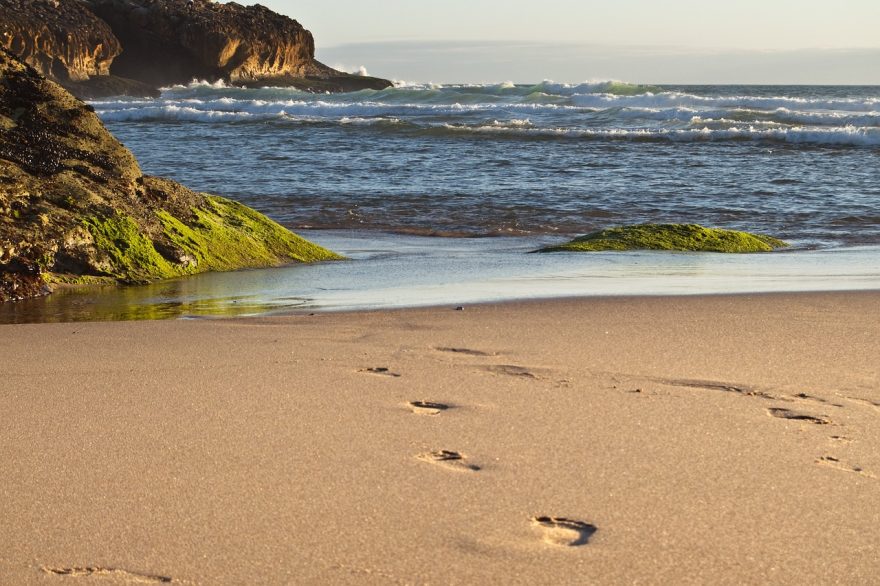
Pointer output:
x,y
395,271
684,439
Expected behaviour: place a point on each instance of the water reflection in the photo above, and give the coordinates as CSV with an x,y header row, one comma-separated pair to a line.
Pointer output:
x,y
202,296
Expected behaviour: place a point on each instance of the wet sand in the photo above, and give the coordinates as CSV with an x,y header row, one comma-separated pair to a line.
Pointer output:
x,y
722,440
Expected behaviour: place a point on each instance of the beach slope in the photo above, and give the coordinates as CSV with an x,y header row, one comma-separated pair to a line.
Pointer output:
x,y
701,440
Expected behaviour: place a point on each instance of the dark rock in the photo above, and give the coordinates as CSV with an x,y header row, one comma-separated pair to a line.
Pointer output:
x,y
680,237
111,85
170,41
62,40
98,48
334,82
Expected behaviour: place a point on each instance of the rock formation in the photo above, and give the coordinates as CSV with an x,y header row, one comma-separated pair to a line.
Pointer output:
x,y
680,237
61,40
75,207
66,42
173,41
104,47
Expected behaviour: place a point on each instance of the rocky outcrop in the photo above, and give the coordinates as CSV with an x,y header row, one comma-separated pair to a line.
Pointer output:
x,y
174,41
109,47
679,237
62,40
75,207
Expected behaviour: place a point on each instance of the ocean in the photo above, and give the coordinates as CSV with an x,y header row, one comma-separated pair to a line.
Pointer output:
x,y
411,182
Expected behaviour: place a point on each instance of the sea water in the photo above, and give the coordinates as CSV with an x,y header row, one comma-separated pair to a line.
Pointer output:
x,y
410,183
797,162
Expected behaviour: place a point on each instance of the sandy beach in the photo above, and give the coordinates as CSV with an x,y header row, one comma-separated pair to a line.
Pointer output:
x,y
688,440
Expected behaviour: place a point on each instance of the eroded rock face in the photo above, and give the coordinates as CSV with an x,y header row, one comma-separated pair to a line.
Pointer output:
x,y
170,42
173,41
75,207
64,41
98,48
61,39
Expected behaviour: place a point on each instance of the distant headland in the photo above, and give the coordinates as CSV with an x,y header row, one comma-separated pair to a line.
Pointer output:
x,y
97,48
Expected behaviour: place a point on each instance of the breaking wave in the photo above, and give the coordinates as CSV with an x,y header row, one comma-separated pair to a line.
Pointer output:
x,y
604,110
850,136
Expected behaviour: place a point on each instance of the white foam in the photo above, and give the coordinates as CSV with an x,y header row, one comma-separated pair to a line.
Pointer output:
x,y
586,96
198,83
778,116
369,121
548,108
683,100
850,136
830,118
514,123
170,113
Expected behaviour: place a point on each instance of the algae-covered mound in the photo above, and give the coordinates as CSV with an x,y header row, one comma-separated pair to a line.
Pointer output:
x,y
75,207
684,237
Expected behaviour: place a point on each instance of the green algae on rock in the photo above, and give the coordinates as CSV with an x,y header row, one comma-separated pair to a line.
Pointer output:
x,y
681,237
226,235
221,235
131,256
76,209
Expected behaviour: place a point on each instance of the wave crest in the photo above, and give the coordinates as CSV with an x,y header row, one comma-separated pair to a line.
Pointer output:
x,y
602,110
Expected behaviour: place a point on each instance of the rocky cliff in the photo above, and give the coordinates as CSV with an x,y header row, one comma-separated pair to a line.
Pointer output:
x,y
66,42
75,207
61,40
105,47
173,41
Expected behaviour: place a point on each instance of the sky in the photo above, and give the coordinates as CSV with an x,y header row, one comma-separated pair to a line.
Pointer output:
x,y
645,41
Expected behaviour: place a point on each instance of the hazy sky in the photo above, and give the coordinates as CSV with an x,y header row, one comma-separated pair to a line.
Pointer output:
x,y
757,41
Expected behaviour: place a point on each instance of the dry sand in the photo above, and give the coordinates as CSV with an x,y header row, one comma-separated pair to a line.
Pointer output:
x,y
706,440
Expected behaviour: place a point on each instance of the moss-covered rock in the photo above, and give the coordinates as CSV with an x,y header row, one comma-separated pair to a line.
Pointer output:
x,y
220,235
75,207
684,237
226,235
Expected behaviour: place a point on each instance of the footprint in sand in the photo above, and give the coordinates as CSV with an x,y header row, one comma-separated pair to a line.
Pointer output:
x,y
835,463
814,399
720,387
867,402
512,370
98,572
748,391
380,370
465,351
448,459
562,531
796,416
427,407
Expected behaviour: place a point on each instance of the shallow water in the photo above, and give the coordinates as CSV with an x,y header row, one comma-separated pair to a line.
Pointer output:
x,y
391,271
